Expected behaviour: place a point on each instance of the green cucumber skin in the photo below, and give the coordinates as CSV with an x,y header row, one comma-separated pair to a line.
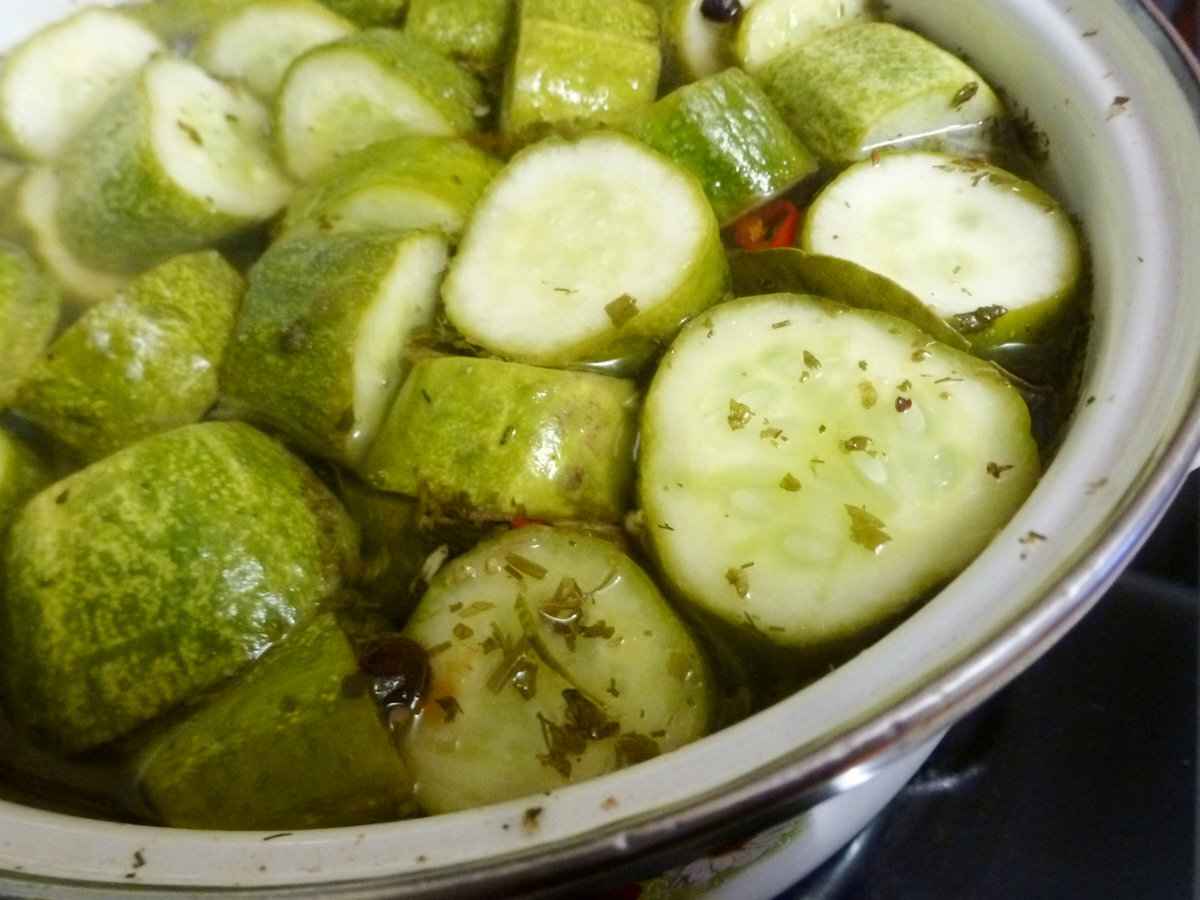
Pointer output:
x,y
627,18
30,304
153,574
727,132
284,746
497,440
474,33
139,363
629,654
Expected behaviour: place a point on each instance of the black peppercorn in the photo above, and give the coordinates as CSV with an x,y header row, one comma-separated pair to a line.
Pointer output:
x,y
720,10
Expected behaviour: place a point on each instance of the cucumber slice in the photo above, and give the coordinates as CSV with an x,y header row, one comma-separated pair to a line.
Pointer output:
x,y
474,33
988,251
319,347
771,27
594,249
414,182
174,162
576,65
811,469
488,439
140,362
149,576
35,225
256,42
554,659
29,308
284,746
53,83
365,87
725,131
861,87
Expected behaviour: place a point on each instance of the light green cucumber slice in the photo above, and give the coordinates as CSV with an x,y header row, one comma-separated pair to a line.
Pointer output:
x,y
593,249
30,304
54,82
33,221
474,33
554,659
770,27
256,42
810,469
140,362
174,162
22,474
990,252
319,346
413,182
365,87
564,76
133,584
862,87
697,46
488,439
726,132
284,746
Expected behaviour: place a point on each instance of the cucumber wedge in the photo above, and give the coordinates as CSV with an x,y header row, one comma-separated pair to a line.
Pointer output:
x,y
991,253
771,27
284,746
587,250
151,575
256,42
319,346
554,658
809,469
494,440
139,362
413,182
862,87
52,84
365,87
173,163
30,304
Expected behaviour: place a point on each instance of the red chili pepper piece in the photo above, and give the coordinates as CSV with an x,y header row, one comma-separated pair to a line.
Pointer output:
x,y
772,225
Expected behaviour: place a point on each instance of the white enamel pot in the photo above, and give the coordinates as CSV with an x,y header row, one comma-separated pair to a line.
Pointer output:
x,y
1119,102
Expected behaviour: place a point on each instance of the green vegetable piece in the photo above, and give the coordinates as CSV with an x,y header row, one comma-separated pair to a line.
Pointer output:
x,y
319,346
557,660
149,576
174,162
407,182
473,33
286,745
771,27
141,362
862,87
29,308
370,13
22,474
366,87
725,131
787,270
491,439
870,465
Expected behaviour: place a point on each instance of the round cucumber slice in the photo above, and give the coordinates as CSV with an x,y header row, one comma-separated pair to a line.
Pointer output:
x,y
594,249
554,658
30,303
811,469
990,252
151,575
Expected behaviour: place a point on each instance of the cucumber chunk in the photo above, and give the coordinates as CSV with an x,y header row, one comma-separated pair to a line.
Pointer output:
x,y
135,583
725,131
140,362
30,303
587,250
413,182
554,658
53,83
990,252
255,43
474,33
811,469
488,439
319,346
365,87
173,163
771,27
284,746
861,87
